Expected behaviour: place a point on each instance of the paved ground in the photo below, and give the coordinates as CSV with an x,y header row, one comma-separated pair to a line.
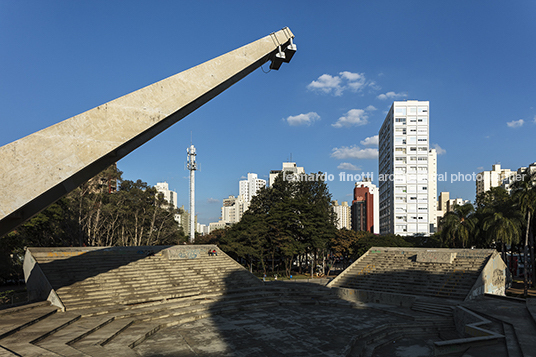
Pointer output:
x,y
517,289
517,314
281,331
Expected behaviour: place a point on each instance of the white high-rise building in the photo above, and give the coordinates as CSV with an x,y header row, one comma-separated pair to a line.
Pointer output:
x,y
343,213
249,188
169,196
445,204
407,171
287,167
519,175
485,180
432,190
233,209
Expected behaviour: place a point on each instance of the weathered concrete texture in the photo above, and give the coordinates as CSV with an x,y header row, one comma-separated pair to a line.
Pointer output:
x,y
280,331
40,168
515,314
173,301
397,275
80,278
433,256
492,280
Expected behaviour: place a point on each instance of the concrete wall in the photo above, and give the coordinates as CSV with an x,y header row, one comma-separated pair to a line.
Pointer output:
x,y
348,269
375,297
492,280
37,284
190,251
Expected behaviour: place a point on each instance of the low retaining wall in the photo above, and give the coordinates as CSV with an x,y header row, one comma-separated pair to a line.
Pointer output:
x,y
37,284
375,296
492,280
189,251
431,256
467,324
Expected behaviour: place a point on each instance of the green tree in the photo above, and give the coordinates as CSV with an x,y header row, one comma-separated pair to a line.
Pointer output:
x,y
343,244
524,192
291,218
369,240
458,226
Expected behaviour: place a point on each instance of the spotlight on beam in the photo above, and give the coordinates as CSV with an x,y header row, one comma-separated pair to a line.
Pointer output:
x,y
290,51
278,59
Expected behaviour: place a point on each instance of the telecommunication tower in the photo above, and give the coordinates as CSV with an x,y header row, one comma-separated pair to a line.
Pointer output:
x,y
192,166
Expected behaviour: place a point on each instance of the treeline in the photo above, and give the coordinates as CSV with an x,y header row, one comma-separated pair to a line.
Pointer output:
x,y
105,211
498,219
291,227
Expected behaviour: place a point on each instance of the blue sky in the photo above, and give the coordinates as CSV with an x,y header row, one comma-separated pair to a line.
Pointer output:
x,y
473,60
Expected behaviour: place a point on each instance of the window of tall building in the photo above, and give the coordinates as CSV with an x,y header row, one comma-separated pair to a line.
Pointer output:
x,y
400,110
422,110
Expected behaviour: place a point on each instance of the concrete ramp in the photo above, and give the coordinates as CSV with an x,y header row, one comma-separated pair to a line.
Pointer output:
x,y
458,274
81,278
40,168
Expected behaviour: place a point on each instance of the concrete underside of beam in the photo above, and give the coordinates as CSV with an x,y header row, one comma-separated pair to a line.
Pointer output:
x,y
38,169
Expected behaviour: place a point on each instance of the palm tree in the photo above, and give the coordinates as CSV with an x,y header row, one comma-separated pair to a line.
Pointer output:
x,y
524,192
458,226
500,219
503,226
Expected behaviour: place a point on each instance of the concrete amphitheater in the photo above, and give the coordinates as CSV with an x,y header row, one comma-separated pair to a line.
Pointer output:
x,y
179,301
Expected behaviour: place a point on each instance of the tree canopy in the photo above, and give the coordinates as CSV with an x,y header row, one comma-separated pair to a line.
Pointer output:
x,y
105,211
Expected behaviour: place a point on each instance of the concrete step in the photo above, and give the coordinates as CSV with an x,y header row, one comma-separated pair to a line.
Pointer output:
x,y
94,341
27,350
436,309
424,292
23,342
415,286
42,329
132,336
512,344
60,340
15,320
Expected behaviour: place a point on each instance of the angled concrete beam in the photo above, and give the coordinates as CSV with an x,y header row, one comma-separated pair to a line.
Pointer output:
x,y
40,168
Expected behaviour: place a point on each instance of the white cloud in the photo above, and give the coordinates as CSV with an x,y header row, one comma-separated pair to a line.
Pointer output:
x,y
370,141
354,152
534,120
212,200
354,117
326,84
392,95
373,85
348,167
480,168
303,119
355,80
351,76
439,149
371,108
515,123
338,84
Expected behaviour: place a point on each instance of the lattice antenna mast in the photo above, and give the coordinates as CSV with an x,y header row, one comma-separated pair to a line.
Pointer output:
x,y
192,166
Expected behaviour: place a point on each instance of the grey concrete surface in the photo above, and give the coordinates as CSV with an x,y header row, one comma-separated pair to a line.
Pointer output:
x,y
42,167
280,331
511,312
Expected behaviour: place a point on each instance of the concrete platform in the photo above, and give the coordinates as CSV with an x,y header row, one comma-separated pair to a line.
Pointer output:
x,y
279,331
123,307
